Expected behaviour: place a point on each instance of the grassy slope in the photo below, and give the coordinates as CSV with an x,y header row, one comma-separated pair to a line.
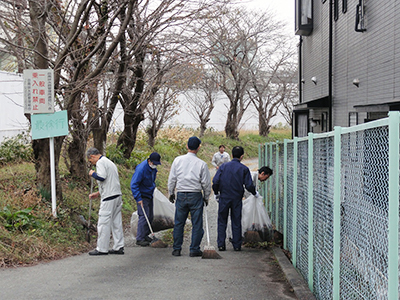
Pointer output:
x,y
27,237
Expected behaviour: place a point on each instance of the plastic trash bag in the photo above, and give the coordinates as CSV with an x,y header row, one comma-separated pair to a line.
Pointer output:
x,y
163,211
134,223
256,224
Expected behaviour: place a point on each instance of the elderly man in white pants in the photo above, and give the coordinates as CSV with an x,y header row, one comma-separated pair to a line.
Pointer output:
x,y
110,219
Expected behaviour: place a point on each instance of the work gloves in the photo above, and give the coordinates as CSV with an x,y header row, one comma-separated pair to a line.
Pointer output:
x,y
172,198
205,201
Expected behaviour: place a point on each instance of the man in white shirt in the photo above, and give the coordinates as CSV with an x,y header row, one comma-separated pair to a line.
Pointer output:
x,y
110,219
191,179
220,157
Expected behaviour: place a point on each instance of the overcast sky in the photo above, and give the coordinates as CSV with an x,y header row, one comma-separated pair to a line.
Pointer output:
x,y
284,9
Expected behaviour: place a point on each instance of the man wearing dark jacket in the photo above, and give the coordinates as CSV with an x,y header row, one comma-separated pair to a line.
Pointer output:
x,y
142,187
229,182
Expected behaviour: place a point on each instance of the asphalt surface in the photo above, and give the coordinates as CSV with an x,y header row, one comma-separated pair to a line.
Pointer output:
x,y
153,273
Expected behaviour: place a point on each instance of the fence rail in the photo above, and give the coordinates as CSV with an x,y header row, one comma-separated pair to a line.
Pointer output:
x,y
335,198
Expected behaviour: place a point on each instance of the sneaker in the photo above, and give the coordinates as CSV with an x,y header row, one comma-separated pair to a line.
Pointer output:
x,y
176,252
148,239
194,254
96,252
222,248
142,243
119,251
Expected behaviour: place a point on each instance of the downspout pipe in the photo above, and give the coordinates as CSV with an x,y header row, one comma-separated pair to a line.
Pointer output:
x,y
330,67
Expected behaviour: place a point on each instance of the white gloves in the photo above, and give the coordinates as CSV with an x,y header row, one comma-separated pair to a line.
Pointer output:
x,y
257,194
216,197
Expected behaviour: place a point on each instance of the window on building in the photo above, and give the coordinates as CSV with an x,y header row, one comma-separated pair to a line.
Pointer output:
x,y
304,17
353,118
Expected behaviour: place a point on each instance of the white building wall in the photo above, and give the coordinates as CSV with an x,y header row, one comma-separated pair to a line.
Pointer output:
x,y
12,119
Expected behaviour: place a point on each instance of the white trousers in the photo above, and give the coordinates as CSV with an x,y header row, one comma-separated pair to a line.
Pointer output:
x,y
110,221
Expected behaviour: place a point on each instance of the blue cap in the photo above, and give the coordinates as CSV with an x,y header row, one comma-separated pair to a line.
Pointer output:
x,y
193,143
155,158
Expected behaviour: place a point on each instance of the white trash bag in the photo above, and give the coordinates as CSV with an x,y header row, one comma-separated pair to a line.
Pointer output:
x,y
256,224
134,223
164,214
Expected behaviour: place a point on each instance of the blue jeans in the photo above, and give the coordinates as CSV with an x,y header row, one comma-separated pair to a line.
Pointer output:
x,y
143,228
188,202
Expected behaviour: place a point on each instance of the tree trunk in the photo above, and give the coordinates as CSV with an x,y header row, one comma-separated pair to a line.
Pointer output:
x,y
231,126
263,127
41,149
127,139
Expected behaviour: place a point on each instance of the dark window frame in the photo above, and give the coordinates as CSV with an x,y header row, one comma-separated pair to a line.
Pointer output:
x,y
303,22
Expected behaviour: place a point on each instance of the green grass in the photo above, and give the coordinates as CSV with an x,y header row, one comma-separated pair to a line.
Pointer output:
x,y
29,233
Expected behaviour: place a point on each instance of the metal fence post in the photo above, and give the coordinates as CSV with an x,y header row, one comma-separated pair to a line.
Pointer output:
x,y
336,212
310,212
269,182
265,185
294,219
285,186
277,187
393,230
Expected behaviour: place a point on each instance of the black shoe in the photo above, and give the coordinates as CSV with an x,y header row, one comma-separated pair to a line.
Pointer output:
x,y
142,243
119,251
237,249
148,239
95,252
176,252
194,254
222,248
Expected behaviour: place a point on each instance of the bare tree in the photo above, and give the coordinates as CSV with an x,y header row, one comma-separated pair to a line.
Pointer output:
x,y
148,24
163,107
273,82
201,98
71,38
233,44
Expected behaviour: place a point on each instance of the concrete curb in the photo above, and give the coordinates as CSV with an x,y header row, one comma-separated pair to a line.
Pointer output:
x,y
297,282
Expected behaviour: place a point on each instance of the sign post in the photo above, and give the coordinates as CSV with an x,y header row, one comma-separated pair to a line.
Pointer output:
x,y
50,126
45,123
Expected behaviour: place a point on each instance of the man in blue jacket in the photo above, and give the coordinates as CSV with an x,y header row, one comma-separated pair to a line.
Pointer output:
x,y
142,187
229,182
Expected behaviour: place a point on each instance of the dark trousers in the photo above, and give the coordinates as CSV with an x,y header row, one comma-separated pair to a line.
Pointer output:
x,y
235,207
143,228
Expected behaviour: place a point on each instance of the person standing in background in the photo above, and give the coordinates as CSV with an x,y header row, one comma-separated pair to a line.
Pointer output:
x,y
190,177
220,157
142,187
110,218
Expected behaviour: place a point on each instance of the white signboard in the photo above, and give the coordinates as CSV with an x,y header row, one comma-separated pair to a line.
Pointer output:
x,y
38,91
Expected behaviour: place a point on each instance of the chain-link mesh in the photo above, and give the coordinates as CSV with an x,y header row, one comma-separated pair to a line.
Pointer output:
x,y
289,209
364,214
273,183
323,216
302,208
364,211
281,187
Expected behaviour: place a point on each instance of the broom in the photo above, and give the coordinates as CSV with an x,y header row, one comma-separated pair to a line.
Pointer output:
x,y
90,211
155,243
209,251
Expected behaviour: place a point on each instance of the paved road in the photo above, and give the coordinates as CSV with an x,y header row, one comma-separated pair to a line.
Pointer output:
x,y
150,273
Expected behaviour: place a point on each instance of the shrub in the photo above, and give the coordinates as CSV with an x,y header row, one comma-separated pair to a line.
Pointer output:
x,y
16,149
